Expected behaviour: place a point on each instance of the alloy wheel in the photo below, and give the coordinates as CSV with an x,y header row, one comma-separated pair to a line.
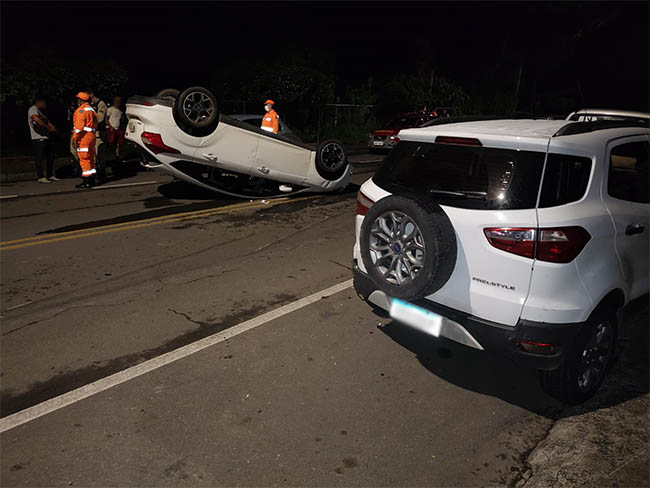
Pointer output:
x,y
397,247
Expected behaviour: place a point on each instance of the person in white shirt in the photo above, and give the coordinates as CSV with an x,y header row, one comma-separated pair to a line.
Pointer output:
x,y
114,125
40,129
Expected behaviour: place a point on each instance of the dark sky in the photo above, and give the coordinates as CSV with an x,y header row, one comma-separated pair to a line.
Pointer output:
x,y
177,44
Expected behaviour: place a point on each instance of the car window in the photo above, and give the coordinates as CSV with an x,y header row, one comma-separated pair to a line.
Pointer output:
x,y
628,172
506,179
257,122
565,180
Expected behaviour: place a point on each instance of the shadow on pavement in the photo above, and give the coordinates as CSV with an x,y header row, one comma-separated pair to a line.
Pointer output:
x,y
499,377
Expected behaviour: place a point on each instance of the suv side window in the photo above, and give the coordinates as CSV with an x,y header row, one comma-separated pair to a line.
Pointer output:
x,y
628,172
565,180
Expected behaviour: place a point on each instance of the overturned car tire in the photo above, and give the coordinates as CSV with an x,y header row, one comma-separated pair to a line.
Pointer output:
x,y
169,93
408,247
331,159
197,110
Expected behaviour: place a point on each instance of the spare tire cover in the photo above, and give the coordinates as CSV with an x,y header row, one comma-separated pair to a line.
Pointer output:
x,y
408,247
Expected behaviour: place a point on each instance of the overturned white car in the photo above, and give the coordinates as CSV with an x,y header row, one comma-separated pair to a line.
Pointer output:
x,y
184,135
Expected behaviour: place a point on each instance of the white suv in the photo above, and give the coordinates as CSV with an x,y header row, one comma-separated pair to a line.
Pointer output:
x,y
525,237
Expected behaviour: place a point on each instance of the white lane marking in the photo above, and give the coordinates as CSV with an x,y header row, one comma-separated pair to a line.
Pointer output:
x,y
8,196
18,306
120,185
123,376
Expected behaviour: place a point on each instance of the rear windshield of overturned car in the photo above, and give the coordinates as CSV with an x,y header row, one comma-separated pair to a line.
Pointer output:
x,y
464,176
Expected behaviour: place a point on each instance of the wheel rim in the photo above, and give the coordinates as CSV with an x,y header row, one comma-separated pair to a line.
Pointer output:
x,y
595,357
332,156
397,248
197,107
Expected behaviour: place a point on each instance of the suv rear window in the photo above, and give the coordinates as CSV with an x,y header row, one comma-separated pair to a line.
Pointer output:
x,y
477,177
565,180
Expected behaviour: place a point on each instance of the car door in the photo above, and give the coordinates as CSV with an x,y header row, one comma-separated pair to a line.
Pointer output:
x,y
229,148
281,161
625,194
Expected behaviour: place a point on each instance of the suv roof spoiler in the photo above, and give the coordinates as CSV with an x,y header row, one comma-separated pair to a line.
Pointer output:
x,y
574,128
462,118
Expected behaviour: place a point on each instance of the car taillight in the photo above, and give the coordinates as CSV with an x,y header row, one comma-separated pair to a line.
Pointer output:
x,y
561,245
459,141
554,245
520,241
543,348
363,204
394,139
156,145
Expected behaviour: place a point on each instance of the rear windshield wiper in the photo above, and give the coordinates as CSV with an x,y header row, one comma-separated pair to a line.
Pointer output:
x,y
478,195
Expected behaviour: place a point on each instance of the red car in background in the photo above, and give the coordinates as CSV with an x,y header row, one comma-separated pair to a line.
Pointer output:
x,y
384,139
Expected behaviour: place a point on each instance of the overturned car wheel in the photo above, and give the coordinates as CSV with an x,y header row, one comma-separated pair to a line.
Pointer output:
x,y
331,159
169,94
408,247
196,111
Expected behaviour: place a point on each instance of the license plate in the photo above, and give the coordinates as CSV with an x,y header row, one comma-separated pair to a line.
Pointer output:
x,y
416,317
378,143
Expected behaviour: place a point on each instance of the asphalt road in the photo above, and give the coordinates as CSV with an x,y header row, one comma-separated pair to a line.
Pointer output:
x,y
319,391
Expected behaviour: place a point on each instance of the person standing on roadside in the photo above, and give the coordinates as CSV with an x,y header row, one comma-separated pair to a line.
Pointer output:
x,y
100,108
114,125
40,129
84,137
271,120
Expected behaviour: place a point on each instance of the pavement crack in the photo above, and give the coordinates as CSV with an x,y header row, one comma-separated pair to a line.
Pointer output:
x,y
183,314
67,309
208,276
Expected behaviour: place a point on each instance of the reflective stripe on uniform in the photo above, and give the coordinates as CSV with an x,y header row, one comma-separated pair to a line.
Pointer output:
x,y
89,172
268,119
76,131
268,129
89,129
82,149
89,108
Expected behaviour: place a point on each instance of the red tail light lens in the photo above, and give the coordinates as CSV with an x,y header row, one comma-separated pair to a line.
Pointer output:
x,y
460,141
557,245
363,204
561,245
542,348
519,241
156,145
394,139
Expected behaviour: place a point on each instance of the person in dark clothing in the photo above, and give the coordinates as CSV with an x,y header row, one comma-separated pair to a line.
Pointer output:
x,y
40,129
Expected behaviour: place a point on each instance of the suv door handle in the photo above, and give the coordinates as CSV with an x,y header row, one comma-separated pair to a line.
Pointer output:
x,y
634,229
210,156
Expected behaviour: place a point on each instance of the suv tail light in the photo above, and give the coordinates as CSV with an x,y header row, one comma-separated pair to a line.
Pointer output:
x,y
561,245
156,145
363,204
459,141
555,245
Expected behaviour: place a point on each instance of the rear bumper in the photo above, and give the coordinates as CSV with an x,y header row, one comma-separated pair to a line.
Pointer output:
x,y
491,336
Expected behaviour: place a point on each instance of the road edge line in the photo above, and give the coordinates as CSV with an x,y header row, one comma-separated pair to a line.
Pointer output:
x,y
103,384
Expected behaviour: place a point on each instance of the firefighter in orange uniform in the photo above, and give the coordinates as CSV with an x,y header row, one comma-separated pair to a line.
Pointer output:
x,y
271,120
84,137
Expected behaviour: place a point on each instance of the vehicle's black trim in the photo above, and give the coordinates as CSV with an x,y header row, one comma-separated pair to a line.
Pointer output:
x,y
573,128
499,338
142,100
246,126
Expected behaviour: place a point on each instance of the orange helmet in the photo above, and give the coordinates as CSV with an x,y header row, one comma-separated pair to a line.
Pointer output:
x,y
269,102
83,95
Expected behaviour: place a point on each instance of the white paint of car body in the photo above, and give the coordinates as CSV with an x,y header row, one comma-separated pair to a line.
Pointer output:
x,y
544,292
